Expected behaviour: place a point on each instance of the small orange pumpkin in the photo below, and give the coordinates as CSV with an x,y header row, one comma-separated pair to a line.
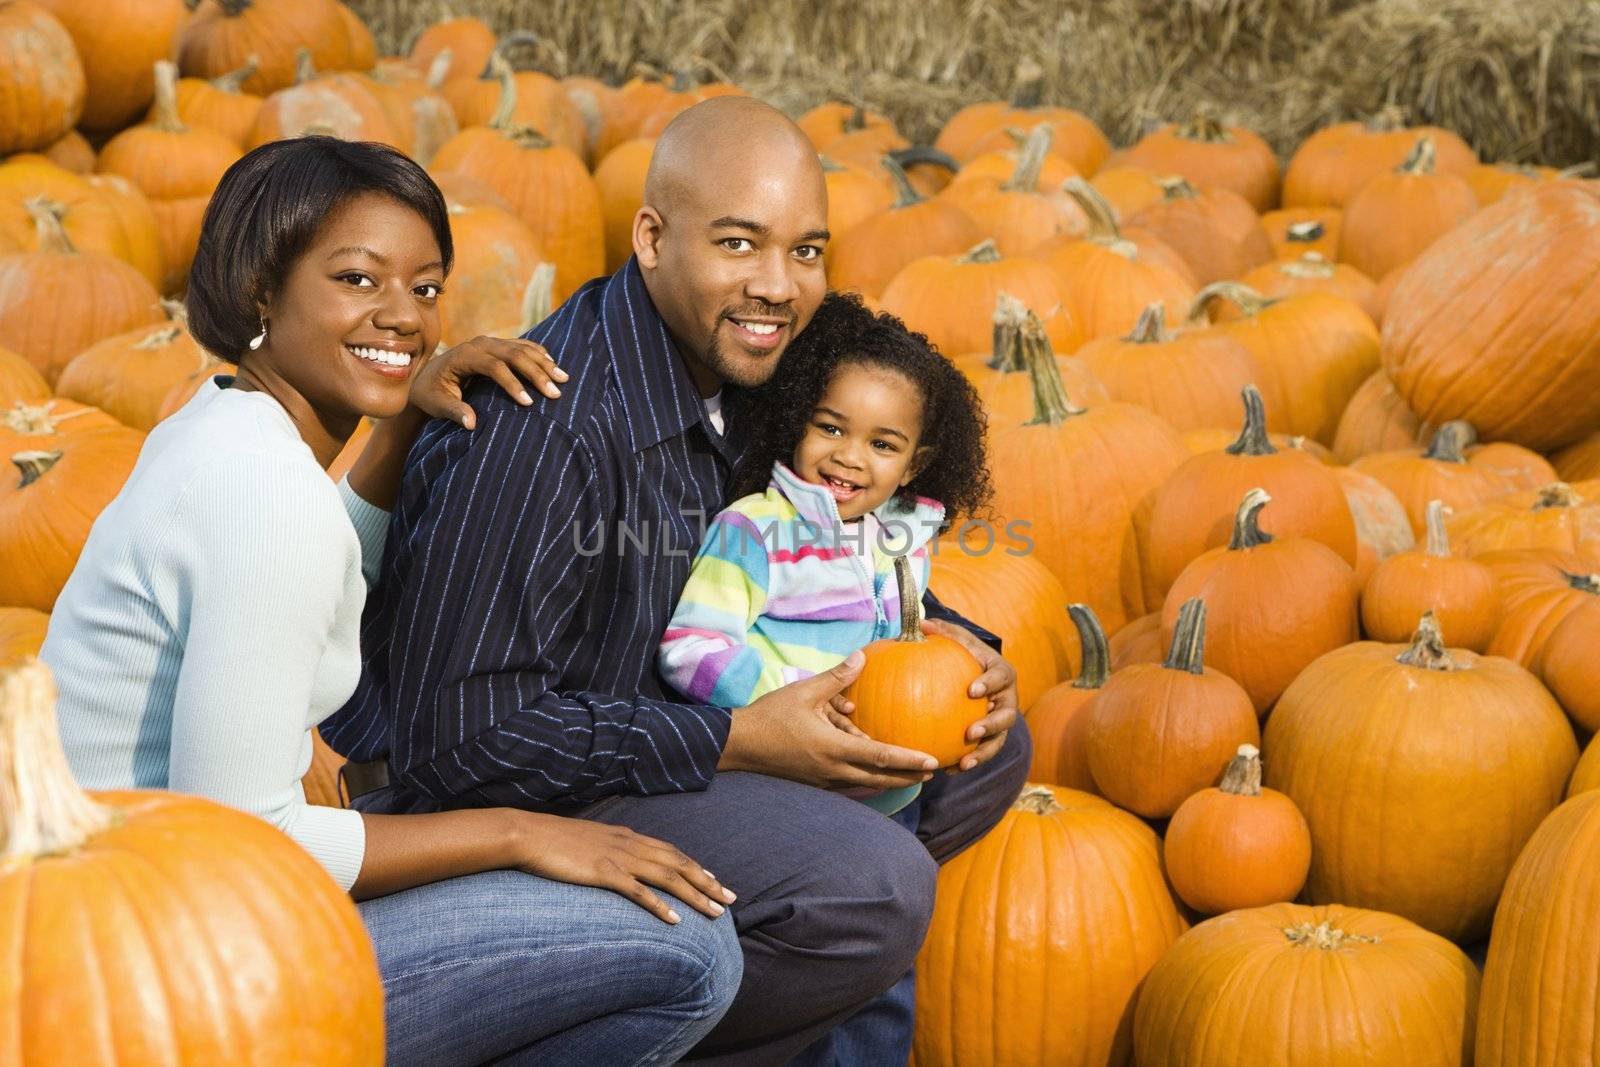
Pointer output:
x,y
1377,419
868,256
1460,592
1215,231
42,86
1212,156
129,375
1059,719
217,104
1294,231
1569,667
1382,528
1001,377
1013,212
912,691
1559,516
1539,588
1308,272
1396,216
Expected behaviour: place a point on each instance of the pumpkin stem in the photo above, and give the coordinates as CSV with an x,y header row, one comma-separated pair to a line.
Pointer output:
x,y
1031,159
176,310
439,69
234,79
1096,650
501,120
1247,531
1243,776
1252,439
919,154
1427,649
1324,936
1247,300
166,108
1027,84
985,251
1438,540
511,40
857,119
1036,800
1309,265
160,337
538,297
1188,649
1151,329
1005,349
1176,188
1422,158
1102,216
1388,118
910,602
1204,127
34,465
47,215
1557,495
1450,442
1577,170
1051,405
905,193
42,809
1305,232
304,69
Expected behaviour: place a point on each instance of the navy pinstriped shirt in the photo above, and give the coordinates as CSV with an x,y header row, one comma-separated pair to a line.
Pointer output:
x,y
531,567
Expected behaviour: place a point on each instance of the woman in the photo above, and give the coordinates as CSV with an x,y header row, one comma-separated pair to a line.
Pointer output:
x,y
212,622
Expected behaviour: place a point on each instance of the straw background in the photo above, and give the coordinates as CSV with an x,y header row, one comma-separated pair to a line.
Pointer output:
x,y
1519,79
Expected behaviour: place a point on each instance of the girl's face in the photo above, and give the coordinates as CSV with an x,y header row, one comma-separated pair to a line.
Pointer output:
x,y
862,441
357,311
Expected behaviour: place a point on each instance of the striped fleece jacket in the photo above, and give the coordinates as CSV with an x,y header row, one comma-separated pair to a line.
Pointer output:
x,y
783,589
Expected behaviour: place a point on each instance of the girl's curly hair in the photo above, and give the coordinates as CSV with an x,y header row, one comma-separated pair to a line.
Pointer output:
x,y
845,331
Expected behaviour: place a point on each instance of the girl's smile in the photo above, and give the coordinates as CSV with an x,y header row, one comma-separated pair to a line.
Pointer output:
x,y
861,443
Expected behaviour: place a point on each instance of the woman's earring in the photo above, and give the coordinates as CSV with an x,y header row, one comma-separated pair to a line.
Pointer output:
x,y
259,339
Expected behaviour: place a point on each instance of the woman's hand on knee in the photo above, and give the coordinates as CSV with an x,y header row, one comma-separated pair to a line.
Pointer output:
x,y
613,857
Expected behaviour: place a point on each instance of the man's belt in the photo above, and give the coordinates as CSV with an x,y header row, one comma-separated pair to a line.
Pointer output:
x,y
358,779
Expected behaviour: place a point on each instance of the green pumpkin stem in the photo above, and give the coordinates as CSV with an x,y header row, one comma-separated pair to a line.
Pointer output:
x,y
1252,439
910,602
1557,495
1422,158
1051,405
232,81
34,464
1438,540
1096,649
1005,351
1242,778
1427,649
1151,329
1188,649
538,299
1030,159
43,811
1247,531
905,193
1450,442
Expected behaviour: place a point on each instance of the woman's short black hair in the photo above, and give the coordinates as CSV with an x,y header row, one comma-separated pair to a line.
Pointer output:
x,y
266,212
843,332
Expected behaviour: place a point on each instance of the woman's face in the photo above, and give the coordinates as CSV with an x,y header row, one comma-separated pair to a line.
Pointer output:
x,y
357,311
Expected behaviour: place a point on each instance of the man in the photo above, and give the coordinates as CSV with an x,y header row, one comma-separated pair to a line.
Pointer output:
x,y
534,561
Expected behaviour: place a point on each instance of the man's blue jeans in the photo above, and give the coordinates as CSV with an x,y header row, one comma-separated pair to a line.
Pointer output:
x,y
508,968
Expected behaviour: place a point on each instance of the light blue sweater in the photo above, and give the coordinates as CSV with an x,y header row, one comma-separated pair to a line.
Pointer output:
x,y
213,620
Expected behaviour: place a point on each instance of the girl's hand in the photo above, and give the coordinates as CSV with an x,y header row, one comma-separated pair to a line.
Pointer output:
x,y
581,852
436,390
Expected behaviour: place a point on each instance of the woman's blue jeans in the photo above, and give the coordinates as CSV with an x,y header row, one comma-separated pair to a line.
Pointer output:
x,y
508,968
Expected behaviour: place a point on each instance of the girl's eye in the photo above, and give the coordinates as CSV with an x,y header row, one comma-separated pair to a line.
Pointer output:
x,y
356,278
883,446
428,291
736,244
827,428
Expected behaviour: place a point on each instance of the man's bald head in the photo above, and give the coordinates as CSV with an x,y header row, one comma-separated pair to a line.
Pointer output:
x,y
730,236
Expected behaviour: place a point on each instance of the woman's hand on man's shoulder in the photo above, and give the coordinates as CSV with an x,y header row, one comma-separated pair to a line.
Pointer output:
x,y
438,386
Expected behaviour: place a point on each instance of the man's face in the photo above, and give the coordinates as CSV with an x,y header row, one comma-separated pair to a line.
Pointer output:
x,y
734,265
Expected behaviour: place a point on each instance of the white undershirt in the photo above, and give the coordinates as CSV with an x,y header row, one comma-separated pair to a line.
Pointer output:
x,y
714,412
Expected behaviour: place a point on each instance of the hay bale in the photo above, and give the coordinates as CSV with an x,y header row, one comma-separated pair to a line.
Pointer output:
x,y
1519,81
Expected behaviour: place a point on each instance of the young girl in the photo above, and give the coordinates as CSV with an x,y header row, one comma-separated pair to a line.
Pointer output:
x,y
870,443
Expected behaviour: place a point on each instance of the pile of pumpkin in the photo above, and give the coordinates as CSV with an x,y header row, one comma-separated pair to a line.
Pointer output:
x,y
1242,417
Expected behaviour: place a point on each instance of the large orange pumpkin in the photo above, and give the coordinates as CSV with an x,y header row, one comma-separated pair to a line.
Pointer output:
x,y
223,35
1159,733
1316,349
1235,845
546,184
1274,604
1191,378
1326,986
868,256
1498,322
1013,212
1396,216
57,301
22,633
542,103
1559,516
1212,156
177,167
1216,232
829,121
118,41
1001,377
855,194
335,104
912,691
1539,588
496,256
117,222
41,78
1460,592
1334,164
418,113
1081,480
1195,508
1022,970
200,951
470,42
1452,469
1377,420
1016,598
1569,667
1541,979
129,375
953,299
1058,721
1422,772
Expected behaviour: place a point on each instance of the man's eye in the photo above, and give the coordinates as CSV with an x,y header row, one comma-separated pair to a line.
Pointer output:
x,y
736,244
808,253
428,291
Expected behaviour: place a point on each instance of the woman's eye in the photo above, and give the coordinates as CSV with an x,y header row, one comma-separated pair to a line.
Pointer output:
x,y
736,244
355,278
